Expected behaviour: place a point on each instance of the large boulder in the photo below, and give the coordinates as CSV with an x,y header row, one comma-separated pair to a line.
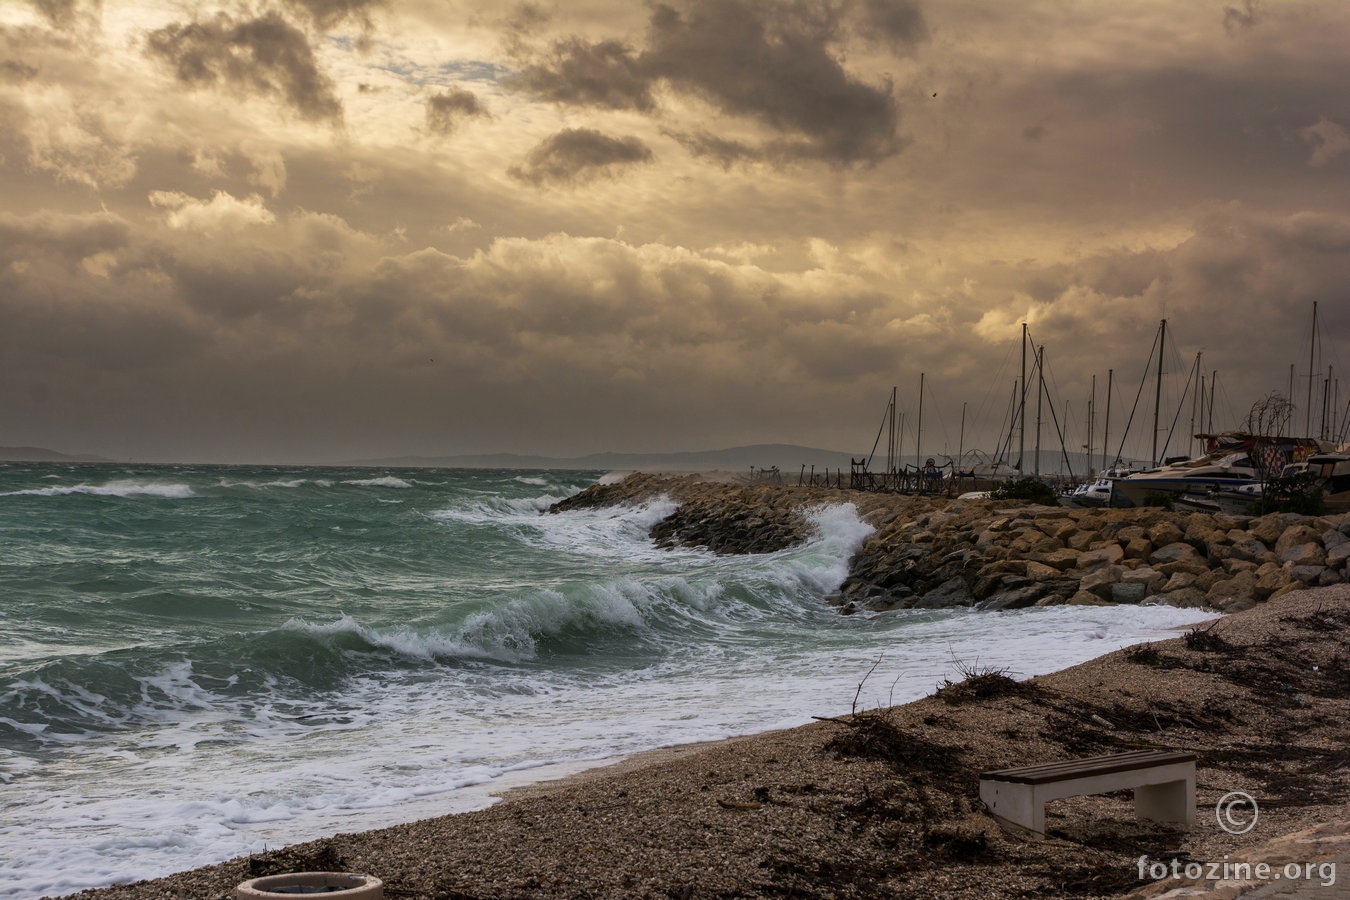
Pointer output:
x,y
1247,546
1099,580
1151,579
1065,559
1138,548
1087,598
1309,553
1105,555
1176,552
1019,598
1187,598
1309,575
1268,529
1128,592
1165,532
1227,592
1040,571
951,593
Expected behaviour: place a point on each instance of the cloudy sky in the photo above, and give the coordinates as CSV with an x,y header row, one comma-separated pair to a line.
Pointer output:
x,y
308,230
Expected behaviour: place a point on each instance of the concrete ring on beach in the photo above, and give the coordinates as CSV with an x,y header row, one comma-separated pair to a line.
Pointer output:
x,y
335,885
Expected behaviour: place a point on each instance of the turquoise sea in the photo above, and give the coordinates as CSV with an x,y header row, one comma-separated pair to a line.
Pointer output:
x,y
200,662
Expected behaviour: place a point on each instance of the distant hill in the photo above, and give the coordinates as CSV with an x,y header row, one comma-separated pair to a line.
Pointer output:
x,y
787,457
42,454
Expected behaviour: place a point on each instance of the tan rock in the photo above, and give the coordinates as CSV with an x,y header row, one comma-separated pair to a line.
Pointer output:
x,y
1099,580
1086,598
1064,558
1226,590
1138,548
1041,572
1130,533
1177,552
1305,554
1104,555
1082,539
1268,529
1165,532
1179,581
1187,598
1246,546
1151,579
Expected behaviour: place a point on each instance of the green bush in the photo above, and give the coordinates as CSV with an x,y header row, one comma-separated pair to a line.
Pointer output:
x,y
1160,499
1032,489
1299,493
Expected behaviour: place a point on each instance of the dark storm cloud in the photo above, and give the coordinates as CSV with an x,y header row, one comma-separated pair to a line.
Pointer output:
x,y
1241,19
326,14
720,150
774,63
604,74
446,110
62,13
578,155
17,71
899,24
70,237
266,55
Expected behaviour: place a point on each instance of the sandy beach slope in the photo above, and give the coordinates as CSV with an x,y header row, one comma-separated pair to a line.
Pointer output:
x,y
885,803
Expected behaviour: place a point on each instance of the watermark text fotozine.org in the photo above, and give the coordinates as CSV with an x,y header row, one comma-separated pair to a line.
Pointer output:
x,y
1158,870
1237,813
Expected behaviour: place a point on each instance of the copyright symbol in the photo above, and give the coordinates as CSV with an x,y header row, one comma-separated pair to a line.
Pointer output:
x,y
1241,804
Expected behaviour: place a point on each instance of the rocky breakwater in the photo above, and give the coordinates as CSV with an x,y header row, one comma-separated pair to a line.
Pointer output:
x,y
933,553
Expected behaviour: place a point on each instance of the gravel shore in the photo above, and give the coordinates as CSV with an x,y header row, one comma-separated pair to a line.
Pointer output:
x,y
884,803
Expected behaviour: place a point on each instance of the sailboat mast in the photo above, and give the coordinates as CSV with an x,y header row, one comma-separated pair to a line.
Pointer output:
x,y
1202,397
1213,380
1312,346
1157,393
890,445
1195,398
1040,391
1326,397
1022,406
1106,424
961,442
1092,411
918,431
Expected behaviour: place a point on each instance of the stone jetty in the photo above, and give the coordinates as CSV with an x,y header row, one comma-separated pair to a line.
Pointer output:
x,y
933,553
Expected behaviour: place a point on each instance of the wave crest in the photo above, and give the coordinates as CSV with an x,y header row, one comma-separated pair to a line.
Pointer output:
x,y
384,481
125,487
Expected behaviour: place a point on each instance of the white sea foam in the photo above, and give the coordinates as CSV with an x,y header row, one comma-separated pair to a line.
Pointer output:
x,y
532,480
609,532
119,488
401,640
495,510
278,483
386,481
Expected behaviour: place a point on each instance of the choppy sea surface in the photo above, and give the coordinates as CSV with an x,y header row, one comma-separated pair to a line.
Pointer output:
x,y
202,662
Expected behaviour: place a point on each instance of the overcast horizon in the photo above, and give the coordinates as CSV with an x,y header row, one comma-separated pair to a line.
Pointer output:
x,y
292,231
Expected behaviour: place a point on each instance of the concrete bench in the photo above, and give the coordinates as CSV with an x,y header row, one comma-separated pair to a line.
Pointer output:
x,y
1163,783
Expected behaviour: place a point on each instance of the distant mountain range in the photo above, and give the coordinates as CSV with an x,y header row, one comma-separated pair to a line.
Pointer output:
x,y
787,457
42,454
